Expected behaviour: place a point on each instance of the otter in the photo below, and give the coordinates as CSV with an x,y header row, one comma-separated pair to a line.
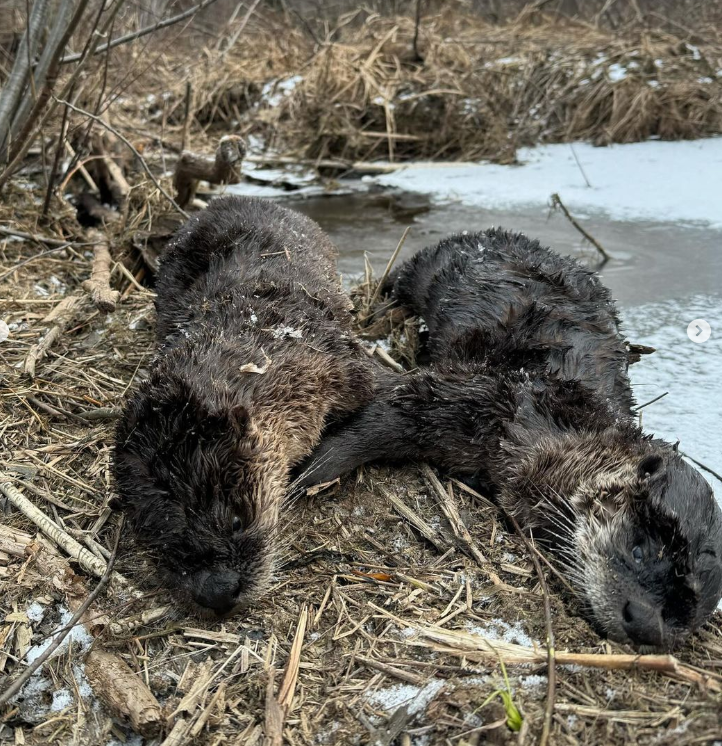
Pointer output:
x,y
255,356
527,393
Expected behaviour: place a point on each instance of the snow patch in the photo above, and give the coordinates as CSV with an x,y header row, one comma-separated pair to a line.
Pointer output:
x,y
498,629
630,181
416,698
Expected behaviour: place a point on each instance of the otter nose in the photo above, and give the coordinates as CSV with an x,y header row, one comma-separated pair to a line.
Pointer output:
x,y
643,623
217,590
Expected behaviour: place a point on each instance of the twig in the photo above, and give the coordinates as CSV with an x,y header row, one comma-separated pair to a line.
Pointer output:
x,y
389,267
387,360
477,647
241,28
104,298
129,145
18,684
415,520
187,117
36,237
551,668
557,202
64,313
142,32
448,505
417,24
579,165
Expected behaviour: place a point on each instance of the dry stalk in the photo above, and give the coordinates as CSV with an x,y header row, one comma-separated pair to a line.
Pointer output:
x,y
277,708
388,269
416,521
451,511
551,667
483,649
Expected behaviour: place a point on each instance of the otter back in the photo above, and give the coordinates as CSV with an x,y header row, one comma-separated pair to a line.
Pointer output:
x,y
255,358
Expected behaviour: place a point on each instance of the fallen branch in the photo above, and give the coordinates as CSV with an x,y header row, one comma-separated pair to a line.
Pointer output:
x,y
104,298
64,312
222,169
557,202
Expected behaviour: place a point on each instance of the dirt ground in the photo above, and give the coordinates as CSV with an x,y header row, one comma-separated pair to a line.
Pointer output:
x,y
369,596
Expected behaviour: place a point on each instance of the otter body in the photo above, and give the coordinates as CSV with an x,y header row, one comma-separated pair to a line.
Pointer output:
x,y
527,392
255,357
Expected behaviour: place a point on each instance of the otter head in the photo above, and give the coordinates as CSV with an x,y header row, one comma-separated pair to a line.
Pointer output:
x,y
648,547
199,491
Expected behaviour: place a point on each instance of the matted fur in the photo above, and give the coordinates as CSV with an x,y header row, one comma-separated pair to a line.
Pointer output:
x,y
527,393
255,357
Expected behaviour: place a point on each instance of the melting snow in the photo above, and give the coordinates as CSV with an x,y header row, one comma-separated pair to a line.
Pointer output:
x,y
628,181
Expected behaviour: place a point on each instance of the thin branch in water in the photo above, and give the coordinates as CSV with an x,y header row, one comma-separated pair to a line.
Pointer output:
x,y
557,203
651,401
703,466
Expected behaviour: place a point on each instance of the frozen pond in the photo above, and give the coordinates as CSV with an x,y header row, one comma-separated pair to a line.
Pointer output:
x,y
664,275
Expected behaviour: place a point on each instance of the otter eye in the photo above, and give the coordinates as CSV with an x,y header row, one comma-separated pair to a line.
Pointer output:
x,y
638,555
236,525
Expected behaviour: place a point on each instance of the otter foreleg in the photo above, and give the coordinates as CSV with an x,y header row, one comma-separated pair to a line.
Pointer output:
x,y
380,431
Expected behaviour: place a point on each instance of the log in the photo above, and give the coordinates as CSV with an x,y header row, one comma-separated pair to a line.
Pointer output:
x,y
104,298
123,692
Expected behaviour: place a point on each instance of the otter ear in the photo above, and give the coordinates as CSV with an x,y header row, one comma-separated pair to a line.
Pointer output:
x,y
649,465
239,419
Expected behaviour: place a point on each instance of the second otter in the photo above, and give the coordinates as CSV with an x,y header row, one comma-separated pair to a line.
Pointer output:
x,y
528,392
255,358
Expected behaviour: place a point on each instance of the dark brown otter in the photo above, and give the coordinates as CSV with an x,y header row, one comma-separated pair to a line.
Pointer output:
x,y
255,357
528,393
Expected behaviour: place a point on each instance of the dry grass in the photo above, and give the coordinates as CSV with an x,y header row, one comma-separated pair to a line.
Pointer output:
x,y
481,91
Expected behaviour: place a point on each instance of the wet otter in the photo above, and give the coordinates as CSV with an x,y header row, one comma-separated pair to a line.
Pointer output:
x,y
528,392
254,358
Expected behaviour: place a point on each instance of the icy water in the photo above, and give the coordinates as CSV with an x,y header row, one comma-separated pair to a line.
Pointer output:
x,y
664,275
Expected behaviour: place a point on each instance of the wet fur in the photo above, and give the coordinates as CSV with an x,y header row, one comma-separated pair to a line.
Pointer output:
x,y
255,357
528,395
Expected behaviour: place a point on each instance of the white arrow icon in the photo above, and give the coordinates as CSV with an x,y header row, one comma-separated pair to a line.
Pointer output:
x,y
699,331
